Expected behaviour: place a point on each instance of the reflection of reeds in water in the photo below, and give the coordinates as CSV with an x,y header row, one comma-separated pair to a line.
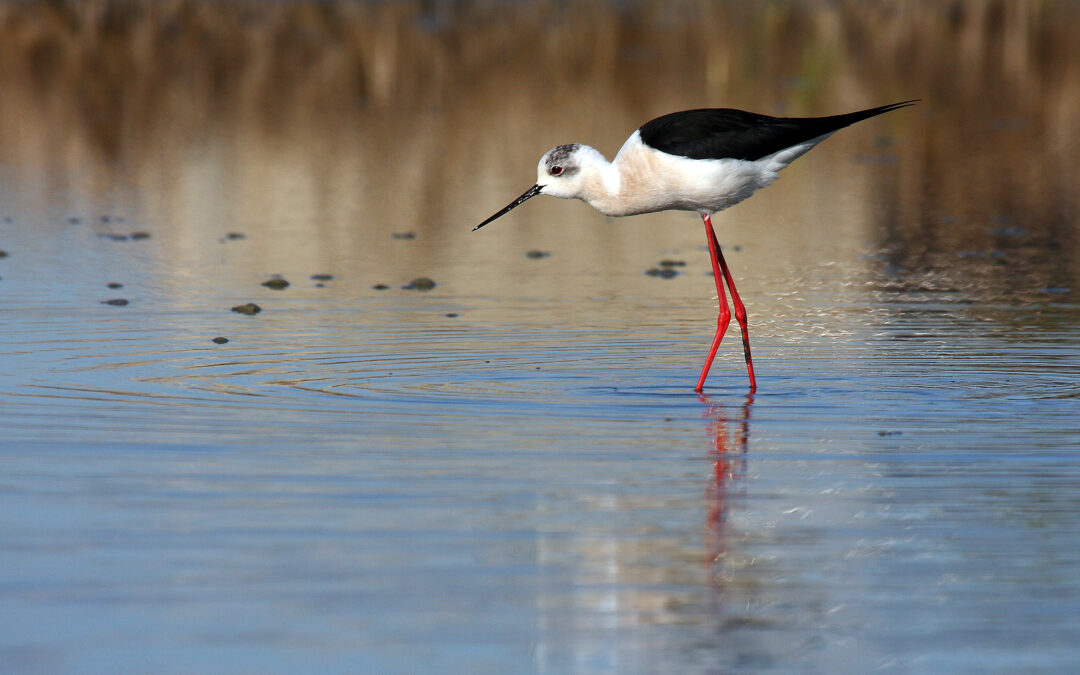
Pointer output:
x,y
434,104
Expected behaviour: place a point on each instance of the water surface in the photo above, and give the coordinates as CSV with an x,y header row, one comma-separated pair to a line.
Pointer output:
x,y
510,472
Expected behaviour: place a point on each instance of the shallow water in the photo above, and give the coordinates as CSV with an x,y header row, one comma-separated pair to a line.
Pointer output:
x,y
358,481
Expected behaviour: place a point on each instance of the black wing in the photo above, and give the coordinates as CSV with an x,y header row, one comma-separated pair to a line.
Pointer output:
x,y
724,133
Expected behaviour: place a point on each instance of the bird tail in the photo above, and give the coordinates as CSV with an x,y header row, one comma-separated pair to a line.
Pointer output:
x,y
847,119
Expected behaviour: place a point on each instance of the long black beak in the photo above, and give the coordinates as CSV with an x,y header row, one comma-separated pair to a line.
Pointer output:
x,y
529,194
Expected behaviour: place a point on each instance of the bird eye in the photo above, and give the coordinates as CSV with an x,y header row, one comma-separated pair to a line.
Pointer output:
x,y
555,170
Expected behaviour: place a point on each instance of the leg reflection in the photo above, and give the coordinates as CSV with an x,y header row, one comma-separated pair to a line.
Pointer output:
x,y
729,436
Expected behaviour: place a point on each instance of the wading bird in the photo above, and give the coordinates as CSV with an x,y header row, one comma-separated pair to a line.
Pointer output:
x,y
696,160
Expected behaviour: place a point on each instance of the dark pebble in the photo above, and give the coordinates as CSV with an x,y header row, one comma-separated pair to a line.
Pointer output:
x,y
420,284
320,285
276,284
138,236
380,287
74,221
116,302
322,277
113,284
663,273
3,253
249,308
890,433
536,254
451,314
113,237
235,235
672,263
220,340
404,235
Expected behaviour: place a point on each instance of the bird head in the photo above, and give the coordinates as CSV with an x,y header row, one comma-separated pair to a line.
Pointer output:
x,y
560,173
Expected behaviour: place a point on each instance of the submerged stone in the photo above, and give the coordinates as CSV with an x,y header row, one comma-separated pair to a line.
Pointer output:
x,y
380,287
114,284
115,302
662,272
404,235
220,340
276,284
672,263
322,277
235,235
420,284
536,254
249,309
137,236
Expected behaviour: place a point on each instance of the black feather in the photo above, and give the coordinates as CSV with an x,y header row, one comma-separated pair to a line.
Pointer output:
x,y
724,133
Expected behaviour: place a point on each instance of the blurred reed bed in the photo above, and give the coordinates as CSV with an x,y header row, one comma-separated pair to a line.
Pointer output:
x,y
451,100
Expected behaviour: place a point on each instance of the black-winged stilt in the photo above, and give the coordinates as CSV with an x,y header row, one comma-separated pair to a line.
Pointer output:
x,y
696,160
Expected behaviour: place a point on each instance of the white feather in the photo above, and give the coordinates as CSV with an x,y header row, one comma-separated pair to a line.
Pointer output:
x,y
642,179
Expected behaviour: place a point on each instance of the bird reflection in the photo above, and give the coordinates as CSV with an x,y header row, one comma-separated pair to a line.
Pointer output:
x,y
729,435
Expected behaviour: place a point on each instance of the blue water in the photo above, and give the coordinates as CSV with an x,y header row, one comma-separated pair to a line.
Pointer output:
x,y
358,482
510,472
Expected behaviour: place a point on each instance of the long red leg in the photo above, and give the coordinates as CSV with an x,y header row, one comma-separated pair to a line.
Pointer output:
x,y
724,318
740,310
740,316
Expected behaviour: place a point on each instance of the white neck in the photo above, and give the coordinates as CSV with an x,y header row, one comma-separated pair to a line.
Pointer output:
x,y
626,186
601,185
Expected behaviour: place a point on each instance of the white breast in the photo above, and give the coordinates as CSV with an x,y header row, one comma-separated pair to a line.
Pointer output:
x,y
649,180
